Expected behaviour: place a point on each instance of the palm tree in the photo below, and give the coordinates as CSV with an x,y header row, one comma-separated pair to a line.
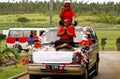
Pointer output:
x,y
8,54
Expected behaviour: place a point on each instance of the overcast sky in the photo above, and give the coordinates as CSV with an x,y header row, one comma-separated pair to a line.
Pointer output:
x,y
89,1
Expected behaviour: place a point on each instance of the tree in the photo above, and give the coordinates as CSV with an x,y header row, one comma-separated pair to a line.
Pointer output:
x,y
8,54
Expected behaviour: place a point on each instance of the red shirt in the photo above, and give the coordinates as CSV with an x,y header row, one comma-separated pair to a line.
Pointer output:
x,y
67,14
86,42
35,37
70,29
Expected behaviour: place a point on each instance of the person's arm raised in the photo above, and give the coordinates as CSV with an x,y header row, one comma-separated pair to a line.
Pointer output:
x,y
61,12
62,33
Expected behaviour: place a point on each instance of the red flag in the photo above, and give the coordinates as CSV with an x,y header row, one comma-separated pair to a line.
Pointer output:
x,y
86,42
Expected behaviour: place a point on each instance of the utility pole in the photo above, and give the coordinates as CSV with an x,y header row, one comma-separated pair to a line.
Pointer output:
x,y
51,11
70,1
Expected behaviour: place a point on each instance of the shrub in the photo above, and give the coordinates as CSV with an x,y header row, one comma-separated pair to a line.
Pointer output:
x,y
109,19
23,19
118,20
2,37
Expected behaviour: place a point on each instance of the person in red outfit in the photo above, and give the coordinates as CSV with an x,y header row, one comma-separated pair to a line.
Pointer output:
x,y
37,44
35,37
66,34
67,12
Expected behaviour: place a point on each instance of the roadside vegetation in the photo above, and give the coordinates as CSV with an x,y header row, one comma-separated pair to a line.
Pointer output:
x,y
42,20
111,36
37,14
9,71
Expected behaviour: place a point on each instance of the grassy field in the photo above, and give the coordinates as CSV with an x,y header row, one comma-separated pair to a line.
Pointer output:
x,y
42,20
111,38
6,72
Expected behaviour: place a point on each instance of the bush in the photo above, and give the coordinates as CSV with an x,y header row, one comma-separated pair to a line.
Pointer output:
x,y
2,37
23,19
109,19
118,20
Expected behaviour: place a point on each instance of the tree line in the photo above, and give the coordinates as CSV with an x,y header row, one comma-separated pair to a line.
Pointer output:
x,y
43,7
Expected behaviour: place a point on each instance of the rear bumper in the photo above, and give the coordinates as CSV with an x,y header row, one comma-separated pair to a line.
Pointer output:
x,y
40,69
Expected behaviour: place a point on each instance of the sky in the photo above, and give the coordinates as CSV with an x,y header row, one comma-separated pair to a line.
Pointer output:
x,y
88,1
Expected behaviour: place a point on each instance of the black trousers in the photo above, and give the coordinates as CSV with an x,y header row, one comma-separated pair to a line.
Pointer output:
x,y
60,42
62,24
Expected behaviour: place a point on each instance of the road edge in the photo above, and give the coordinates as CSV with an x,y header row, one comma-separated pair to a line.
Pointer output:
x,y
19,75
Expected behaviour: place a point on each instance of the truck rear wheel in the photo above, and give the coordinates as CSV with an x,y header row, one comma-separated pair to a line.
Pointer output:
x,y
31,76
85,75
96,66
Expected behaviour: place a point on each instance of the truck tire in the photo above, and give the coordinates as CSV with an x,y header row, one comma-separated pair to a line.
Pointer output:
x,y
86,74
31,76
96,66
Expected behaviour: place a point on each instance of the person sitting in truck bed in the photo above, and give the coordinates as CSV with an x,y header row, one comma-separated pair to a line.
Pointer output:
x,y
66,34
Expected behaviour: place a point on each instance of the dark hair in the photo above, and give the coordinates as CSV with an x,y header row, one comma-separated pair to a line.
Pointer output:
x,y
31,36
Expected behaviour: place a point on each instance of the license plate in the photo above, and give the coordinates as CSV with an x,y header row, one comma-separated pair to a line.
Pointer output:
x,y
54,67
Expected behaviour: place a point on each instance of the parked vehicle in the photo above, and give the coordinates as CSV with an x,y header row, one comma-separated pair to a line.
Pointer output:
x,y
80,61
18,37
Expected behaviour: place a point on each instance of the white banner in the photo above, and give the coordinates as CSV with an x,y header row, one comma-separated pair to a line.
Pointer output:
x,y
52,57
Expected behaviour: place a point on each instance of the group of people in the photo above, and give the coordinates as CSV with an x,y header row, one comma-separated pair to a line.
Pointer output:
x,y
66,30
34,40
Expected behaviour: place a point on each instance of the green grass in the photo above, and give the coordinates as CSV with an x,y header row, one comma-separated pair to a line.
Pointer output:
x,y
6,72
35,18
111,38
43,19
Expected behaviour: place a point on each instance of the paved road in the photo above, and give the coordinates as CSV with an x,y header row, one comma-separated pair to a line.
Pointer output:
x,y
109,67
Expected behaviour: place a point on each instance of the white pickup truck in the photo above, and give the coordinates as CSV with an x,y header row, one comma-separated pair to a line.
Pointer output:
x,y
80,61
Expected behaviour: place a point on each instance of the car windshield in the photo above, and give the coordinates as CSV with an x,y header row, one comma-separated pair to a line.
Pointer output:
x,y
51,35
